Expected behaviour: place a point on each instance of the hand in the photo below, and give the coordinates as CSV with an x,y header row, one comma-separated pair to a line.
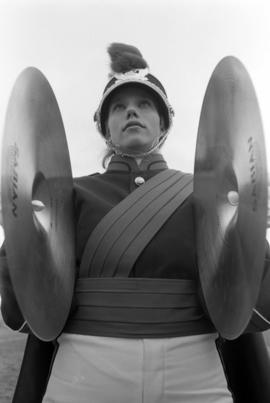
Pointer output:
x,y
9,307
5,281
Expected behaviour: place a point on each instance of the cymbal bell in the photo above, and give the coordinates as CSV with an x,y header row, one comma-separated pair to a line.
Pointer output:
x,y
37,205
230,189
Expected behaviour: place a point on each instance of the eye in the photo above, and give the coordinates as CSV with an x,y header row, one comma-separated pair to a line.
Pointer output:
x,y
145,103
118,107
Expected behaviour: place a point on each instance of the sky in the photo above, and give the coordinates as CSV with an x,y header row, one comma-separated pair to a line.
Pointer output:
x,y
182,40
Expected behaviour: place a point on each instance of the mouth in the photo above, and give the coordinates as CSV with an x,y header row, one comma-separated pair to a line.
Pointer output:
x,y
133,123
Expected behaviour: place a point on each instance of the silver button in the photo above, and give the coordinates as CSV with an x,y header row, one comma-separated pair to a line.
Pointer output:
x,y
139,180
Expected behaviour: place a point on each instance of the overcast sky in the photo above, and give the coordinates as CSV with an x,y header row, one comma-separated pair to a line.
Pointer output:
x,y
182,41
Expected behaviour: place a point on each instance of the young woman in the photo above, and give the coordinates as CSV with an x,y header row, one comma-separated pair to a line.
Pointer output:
x,y
138,331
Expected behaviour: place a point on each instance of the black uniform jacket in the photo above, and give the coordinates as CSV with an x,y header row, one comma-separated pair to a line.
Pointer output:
x,y
171,253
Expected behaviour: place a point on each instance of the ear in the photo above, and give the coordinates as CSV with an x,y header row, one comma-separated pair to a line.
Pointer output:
x,y
108,134
162,124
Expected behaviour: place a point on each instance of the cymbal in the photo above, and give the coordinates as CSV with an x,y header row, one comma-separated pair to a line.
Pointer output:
x,y
230,189
37,205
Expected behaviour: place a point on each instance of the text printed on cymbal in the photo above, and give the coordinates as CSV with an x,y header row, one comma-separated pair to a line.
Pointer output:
x,y
253,173
13,177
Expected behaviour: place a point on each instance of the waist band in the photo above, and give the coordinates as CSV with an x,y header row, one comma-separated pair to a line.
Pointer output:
x,y
137,307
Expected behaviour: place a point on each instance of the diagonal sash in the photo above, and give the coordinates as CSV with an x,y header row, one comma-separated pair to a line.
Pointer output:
x,y
123,233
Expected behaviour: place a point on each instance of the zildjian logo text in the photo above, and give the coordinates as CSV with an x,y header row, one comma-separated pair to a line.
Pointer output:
x,y
14,177
252,171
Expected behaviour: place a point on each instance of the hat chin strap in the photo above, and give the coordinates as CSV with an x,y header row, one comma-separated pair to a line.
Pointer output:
x,y
117,150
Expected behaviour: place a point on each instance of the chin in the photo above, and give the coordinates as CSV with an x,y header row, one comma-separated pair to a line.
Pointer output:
x,y
137,143
136,147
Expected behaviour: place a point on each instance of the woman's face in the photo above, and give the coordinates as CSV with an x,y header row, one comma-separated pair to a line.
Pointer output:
x,y
133,124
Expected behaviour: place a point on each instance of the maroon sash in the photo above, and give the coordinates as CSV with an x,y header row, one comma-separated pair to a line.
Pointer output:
x,y
124,232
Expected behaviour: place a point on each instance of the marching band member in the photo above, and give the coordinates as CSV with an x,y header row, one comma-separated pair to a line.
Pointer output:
x,y
138,330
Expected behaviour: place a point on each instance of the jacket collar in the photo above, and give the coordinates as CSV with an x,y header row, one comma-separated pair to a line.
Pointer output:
x,y
152,162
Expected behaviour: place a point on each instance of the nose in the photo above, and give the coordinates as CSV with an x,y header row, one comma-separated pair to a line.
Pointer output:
x,y
132,112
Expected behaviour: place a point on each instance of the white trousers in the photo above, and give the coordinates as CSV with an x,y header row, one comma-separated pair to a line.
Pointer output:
x,y
90,369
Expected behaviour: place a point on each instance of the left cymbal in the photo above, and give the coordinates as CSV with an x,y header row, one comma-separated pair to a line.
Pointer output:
x,y
37,205
230,188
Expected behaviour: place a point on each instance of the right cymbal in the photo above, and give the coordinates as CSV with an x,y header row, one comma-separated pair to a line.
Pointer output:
x,y
230,188
37,205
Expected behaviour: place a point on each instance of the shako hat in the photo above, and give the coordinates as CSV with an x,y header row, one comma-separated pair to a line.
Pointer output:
x,y
129,67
